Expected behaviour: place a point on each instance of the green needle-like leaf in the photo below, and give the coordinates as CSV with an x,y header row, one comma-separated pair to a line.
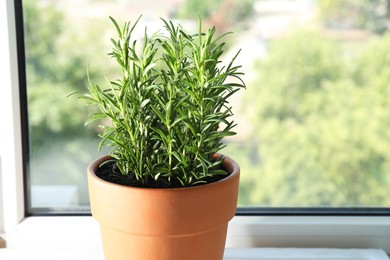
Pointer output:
x,y
168,113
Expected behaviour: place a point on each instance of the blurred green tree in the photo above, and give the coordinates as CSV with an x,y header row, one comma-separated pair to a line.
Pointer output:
x,y
322,123
372,15
223,14
56,67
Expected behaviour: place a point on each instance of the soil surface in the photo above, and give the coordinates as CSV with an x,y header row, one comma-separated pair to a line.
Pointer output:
x,y
109,171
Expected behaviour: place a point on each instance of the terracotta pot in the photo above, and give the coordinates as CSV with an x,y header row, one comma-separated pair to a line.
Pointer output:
x,y
164,224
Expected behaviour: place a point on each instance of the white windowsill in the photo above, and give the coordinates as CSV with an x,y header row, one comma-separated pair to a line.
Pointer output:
x,y
230,254
78,238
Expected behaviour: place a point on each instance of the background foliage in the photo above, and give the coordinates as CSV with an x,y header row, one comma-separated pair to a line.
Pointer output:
x,y
56,67
373,15
223,14
322,122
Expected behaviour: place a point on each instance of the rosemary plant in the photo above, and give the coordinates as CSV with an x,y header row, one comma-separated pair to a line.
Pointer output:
x,y
168,112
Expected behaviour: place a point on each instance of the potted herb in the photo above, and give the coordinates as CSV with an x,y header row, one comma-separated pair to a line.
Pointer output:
x,y
165,192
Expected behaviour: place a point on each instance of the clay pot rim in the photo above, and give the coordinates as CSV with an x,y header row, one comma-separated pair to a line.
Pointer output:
x,y
232,168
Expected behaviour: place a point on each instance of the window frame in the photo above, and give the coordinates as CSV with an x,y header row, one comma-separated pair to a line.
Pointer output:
x,y
252,227
11,170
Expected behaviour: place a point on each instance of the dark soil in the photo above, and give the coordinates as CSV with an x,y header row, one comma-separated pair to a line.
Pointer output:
x,y
109,171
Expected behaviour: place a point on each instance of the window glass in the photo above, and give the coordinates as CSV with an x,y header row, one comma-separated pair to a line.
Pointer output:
x,y
312,125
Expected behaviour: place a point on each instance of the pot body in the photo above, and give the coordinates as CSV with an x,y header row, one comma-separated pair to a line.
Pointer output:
x,y
164,224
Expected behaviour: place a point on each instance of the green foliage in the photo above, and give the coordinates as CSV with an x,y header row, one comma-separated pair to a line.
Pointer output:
x,y
41,39
55,68
199,8
372,15
227,12
169,111
239,11
295,66
322,120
